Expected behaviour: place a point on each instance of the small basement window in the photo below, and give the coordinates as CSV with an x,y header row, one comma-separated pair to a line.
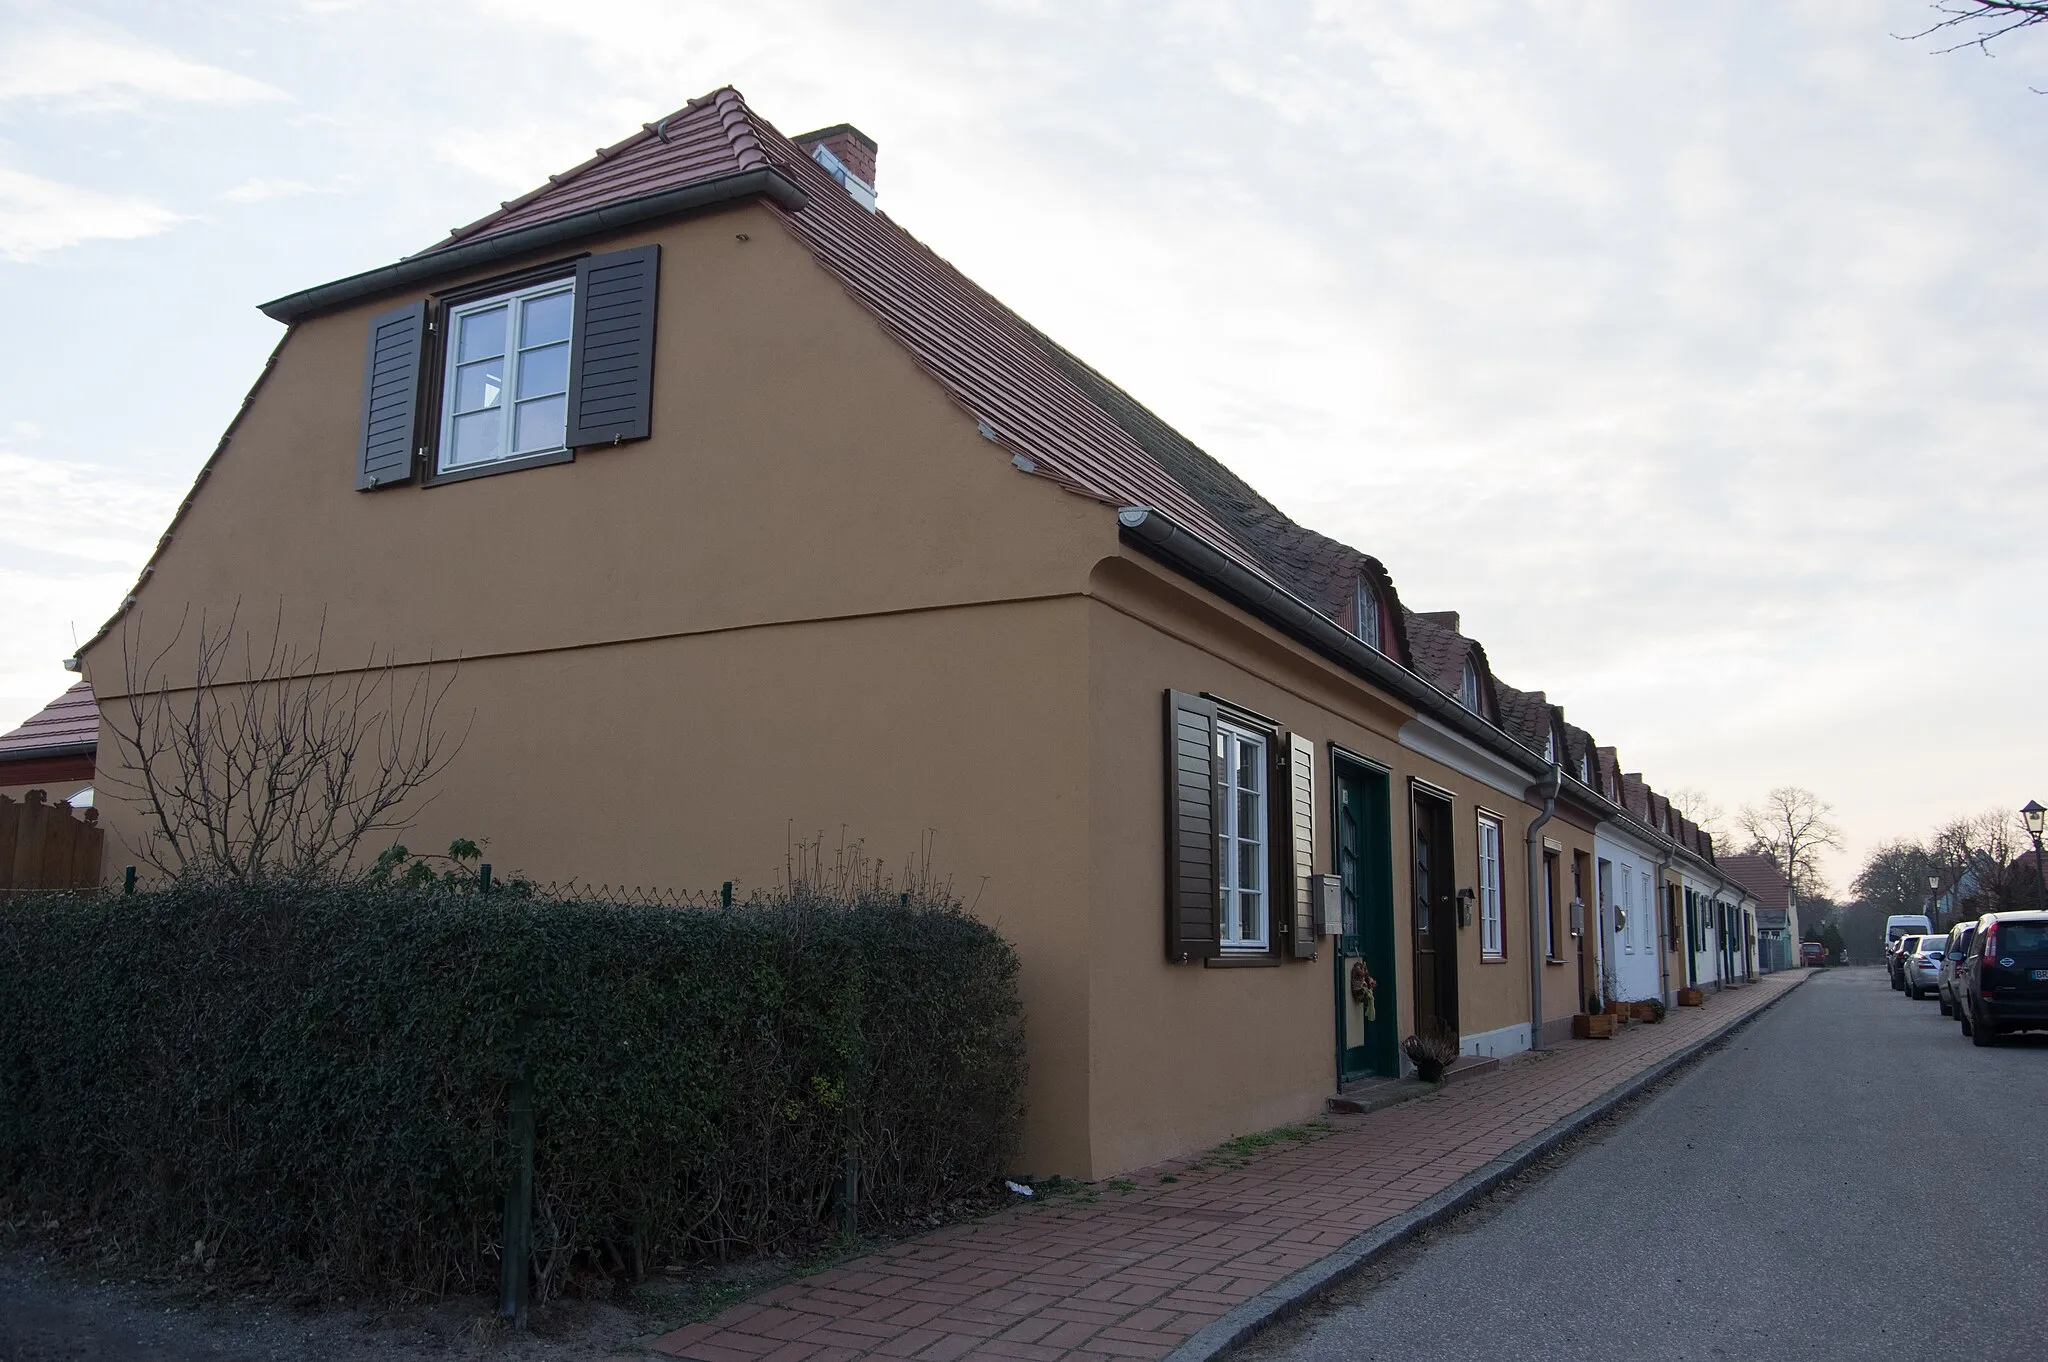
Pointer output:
x,y
505,394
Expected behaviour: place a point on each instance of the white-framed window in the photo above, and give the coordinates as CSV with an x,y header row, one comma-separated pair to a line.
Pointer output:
x,y
1585,770
1490,938
1468,687
1550,745
1549,906
1624,908
1368,621
505,392
1242,859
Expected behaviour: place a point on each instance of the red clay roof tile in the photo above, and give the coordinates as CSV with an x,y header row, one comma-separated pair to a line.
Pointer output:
x,y
69,723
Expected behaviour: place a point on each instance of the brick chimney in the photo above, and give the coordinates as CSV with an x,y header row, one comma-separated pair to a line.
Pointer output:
x,y
849,154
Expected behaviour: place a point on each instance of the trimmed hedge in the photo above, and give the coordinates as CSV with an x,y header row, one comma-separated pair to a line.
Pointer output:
x,y
316,1075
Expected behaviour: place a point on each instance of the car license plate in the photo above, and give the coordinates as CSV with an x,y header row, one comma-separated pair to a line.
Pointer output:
x,y
2041,974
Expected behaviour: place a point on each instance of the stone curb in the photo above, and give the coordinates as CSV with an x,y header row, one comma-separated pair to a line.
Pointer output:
x,y
1283,1298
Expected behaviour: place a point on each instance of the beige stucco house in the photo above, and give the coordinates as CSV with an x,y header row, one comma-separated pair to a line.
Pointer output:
x,y
749,518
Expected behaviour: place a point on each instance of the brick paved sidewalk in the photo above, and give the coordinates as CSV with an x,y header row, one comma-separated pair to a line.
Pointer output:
x,y
1133,1274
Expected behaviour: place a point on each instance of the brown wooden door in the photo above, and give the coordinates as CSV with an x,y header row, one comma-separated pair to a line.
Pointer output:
x,y
1436,913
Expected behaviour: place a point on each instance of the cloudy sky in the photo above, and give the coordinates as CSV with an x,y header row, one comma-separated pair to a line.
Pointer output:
x,y
1693,352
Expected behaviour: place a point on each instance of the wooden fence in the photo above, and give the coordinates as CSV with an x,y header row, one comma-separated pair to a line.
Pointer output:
x,y
48,846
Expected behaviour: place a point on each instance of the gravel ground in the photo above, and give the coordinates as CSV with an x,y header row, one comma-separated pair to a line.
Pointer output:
x,y
1847,1178
48,1314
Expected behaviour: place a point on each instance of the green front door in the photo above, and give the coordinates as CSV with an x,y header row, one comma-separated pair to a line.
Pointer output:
x,y
1366,1044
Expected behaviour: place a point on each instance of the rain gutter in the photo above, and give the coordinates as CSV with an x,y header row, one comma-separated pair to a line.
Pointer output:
x,y
1178,548
1160,538
767,182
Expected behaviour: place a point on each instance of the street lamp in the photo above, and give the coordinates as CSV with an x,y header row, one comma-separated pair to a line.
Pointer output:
x,y
2036,817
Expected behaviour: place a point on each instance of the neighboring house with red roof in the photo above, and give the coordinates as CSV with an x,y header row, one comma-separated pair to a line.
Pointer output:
x,y
54,749
748,514
1777,917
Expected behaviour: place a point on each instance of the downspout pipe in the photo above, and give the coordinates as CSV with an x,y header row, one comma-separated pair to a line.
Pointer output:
x,y
1663,924
1553,779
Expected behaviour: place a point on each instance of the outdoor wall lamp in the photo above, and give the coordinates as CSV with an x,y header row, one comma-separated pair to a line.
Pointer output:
x,y
1465,897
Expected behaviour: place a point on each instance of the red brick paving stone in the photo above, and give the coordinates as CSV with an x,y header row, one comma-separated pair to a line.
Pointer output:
x,y
949,1348
1135,1276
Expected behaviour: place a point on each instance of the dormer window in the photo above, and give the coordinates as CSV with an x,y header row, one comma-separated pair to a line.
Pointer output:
x,y
508,377
1585,770
1468,687
1367,625
1550,745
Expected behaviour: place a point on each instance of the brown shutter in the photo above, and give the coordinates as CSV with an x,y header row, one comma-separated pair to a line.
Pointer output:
x,y
1193,808
1302,769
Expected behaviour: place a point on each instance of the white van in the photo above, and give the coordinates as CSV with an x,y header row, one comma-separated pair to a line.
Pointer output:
x,y
1905,924
1897,928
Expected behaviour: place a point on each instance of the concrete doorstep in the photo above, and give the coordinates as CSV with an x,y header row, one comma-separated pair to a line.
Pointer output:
x,y
1186,1259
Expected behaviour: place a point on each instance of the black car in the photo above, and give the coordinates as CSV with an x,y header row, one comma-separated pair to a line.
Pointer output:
x,y
2002,983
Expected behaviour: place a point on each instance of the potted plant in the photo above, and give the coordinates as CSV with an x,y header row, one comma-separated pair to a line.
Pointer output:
x,y
1593,1023
1692,997
1432,1050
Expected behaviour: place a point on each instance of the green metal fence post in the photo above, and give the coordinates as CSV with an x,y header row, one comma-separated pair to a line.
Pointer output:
x,y
128,880
512,1269
725,895
849,1188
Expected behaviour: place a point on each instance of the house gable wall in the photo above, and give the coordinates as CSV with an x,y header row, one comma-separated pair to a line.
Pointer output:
x,y
815,606
802,466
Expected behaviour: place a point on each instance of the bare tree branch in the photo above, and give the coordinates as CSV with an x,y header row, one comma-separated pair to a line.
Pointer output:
x,y
1792,827
284,766
1995,17
1705,812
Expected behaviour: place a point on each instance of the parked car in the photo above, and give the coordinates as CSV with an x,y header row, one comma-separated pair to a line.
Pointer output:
x,y
1945,982
2003,979
1895,959
1922,964
1812,953
1896,928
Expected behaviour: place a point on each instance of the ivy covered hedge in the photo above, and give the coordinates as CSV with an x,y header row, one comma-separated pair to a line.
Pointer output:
x,y
316,1076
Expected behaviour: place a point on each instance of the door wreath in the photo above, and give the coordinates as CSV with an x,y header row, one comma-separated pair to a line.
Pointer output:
x,y
1364,988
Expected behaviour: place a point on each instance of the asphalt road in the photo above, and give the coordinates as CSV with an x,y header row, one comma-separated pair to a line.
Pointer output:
x,y
1846,1178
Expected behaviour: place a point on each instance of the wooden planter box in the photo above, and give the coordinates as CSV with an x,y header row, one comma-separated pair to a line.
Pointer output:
x,y
1642,1012
1619,1010
1691,997
1588,1027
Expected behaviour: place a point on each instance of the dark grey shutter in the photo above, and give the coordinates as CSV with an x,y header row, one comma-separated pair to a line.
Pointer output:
x,y
391,397
1193,807
611,365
